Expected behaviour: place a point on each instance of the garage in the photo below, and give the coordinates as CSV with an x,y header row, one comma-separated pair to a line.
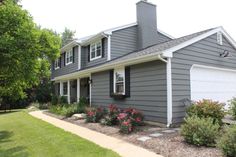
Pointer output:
x,y
212,83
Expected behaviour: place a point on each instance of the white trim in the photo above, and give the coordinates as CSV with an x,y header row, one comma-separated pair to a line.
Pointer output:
x,y
69,45
79,57
68,52
95,44
211,67
78,89
121,70
109,31
109,47
169,92
164,33
61,88
90,91
68,91
57,66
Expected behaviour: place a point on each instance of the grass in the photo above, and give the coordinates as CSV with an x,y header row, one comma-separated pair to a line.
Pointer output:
x,y
21,135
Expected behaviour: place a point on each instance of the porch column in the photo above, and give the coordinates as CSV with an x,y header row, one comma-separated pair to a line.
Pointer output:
x,y
61,88
78,89
68,91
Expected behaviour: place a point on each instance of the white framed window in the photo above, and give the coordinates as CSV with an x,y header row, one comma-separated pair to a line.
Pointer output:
x,y
57,64
96,50
65,87
119,81
219,38
69,57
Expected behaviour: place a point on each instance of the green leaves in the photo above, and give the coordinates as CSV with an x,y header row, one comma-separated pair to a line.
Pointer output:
x,y
25,51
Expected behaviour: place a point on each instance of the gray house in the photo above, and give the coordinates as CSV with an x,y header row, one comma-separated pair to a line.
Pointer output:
x,y
139,66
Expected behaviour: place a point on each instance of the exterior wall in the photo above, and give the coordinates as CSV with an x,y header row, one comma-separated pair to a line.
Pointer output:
x,y
162,38
84,56
123,42
66,69
205,52
147,90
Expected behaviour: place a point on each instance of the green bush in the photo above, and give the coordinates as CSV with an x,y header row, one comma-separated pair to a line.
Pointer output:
x,y
227,143
233,107
82,105
200,131
63,110
207,109
126,126
63,100
55,100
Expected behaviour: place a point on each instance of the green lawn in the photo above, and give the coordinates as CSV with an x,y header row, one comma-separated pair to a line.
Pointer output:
x,y
21,135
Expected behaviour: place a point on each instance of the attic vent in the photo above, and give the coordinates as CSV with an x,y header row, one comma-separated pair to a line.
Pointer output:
x,y
219,38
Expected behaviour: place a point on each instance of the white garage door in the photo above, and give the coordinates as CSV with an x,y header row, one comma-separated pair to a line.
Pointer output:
x,y
212,83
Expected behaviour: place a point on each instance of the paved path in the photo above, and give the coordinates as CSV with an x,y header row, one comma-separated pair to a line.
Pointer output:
x,y
121,147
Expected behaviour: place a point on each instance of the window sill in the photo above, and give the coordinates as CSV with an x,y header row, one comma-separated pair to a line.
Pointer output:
x,y
68,63
118,96
92,59
57,68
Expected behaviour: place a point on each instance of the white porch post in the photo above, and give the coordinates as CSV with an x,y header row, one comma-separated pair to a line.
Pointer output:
x,y
169,92
78,89
90,90
61,88
68,91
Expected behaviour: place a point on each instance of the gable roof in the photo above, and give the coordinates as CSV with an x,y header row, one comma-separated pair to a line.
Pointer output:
x,y
154,52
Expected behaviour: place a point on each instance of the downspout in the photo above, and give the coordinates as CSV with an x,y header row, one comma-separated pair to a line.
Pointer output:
x,y
169,88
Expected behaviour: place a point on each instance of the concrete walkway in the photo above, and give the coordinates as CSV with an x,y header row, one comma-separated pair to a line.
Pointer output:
x,y
123,148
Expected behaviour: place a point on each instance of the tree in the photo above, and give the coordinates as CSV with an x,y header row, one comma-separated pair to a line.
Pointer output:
x,y
67,36
23,45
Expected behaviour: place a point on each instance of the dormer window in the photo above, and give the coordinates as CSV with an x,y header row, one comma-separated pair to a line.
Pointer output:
x,y
96,50
69,57
219,38
57,64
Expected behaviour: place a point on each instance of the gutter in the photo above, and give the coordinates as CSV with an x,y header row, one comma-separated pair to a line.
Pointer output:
x,y
169,89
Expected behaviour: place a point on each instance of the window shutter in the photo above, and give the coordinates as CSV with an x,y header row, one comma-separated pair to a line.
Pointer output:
x,y
103,47
64,54
53,65
73,51
88,47
60,61
127,81
111,82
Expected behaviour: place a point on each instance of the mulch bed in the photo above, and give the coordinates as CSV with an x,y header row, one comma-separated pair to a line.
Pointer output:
x,y
168,145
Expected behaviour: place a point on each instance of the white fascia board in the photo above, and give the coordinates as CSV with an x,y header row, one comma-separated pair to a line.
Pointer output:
x,y
168,52
109,31
228,37
164,33
69,45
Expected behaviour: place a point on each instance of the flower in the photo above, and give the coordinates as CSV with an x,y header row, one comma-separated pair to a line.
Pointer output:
x,y
122,116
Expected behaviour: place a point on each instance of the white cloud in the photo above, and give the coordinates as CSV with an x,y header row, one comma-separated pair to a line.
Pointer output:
x,y
176,18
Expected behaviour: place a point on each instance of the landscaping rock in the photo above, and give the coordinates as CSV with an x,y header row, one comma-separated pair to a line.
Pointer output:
x,y
144,138
156,135
79,116
168,131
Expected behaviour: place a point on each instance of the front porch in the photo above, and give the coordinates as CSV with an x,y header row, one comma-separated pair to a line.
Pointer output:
x,y
73,89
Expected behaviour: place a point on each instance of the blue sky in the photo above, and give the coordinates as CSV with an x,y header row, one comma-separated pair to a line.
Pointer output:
x,y
175,17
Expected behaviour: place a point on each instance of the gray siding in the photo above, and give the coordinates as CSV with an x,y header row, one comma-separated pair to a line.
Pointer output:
x,y
66,69
162,38
205,52
84,56
147,90
123,41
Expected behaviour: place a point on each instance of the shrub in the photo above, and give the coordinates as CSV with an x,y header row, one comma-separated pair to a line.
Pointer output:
x,y
55,100
94,115
200,131
63,100
126,126
207,109
233,107
63,110
227,143
81,105
135,116
111,116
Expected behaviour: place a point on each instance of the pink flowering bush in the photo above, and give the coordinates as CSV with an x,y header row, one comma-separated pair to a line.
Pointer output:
x,y
111,116
135,116
94,114
126,126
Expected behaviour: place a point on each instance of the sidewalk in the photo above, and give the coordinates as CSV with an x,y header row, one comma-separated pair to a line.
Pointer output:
x,y
121,147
